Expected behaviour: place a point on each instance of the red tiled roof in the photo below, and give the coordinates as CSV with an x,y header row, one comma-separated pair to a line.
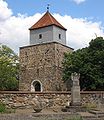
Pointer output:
x,y
46,20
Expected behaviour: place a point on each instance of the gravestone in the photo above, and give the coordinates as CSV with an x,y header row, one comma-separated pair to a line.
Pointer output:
x,y
75,90
75,104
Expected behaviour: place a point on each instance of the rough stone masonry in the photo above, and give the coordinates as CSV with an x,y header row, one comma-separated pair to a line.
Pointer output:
x,y
42,63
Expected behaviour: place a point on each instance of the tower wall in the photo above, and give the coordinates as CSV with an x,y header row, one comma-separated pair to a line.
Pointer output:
x,y
42,62
58,31
48,34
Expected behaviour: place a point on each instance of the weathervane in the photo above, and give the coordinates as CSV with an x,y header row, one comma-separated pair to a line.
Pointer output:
x,y
48,5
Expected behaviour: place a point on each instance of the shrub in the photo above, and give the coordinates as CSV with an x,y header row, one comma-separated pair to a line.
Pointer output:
x,y
2,107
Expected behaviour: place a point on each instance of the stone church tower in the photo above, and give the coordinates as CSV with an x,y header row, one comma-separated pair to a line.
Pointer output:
x,y
41,61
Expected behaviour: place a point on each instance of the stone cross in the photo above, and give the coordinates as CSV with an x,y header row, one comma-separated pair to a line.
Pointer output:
x,y
75,90
75,79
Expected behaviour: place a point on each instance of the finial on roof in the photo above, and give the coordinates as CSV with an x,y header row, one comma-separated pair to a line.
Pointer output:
x,y
48,5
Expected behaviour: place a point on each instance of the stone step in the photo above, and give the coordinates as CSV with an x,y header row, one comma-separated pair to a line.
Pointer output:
x,y
92,118
73,109
99,114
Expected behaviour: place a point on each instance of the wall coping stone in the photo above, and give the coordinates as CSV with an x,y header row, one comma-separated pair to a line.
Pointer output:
x,y
45,44
50,92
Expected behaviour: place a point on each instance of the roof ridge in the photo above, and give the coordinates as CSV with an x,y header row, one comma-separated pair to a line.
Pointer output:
x,y
46,20
50,17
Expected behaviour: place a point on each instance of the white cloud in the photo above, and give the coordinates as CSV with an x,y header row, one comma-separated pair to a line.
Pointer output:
x,y
78,1
4,11
80,31
14,29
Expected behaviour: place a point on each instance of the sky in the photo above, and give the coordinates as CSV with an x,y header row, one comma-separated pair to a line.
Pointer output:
x,y
83,19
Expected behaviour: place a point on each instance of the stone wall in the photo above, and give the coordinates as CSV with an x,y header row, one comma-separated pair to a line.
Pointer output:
x,y
47,99
42,63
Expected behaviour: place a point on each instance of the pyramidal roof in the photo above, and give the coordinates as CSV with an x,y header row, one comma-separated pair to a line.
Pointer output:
x,y
45,21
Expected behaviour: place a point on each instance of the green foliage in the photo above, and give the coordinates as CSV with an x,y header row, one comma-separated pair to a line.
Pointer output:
x,y
90,106
2,108
75,118
9,69
89,62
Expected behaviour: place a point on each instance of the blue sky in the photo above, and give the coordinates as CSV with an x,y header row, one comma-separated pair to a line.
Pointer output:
x,y
88,8
82,18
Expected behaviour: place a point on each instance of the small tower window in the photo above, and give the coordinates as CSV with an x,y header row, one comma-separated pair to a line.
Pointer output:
x,y
59,36
40,36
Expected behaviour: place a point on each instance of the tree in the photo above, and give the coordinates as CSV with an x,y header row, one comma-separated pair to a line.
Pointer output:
x,y
9,69
89,62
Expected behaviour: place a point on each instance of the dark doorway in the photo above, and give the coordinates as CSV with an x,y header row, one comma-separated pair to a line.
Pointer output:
x,y
37,86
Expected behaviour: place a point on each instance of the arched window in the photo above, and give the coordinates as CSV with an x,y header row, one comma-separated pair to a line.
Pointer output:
x,y
36,86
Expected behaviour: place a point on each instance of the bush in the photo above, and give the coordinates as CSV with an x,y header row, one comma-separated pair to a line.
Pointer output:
x,y
2,108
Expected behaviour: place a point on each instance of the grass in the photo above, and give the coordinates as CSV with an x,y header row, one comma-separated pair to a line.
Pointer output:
x,y
90,106
3,109
75,118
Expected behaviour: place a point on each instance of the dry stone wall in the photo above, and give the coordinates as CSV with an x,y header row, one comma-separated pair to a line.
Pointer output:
x,y
48,99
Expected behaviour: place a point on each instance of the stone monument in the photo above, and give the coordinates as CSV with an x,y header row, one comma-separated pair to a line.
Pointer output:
x,y
75,90
75,104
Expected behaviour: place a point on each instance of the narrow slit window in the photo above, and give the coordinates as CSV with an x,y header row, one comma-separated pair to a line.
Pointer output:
x,y
40,36
59,36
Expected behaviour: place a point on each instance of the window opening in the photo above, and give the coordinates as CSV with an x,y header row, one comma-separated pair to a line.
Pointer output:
x,y
40,36
59,36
